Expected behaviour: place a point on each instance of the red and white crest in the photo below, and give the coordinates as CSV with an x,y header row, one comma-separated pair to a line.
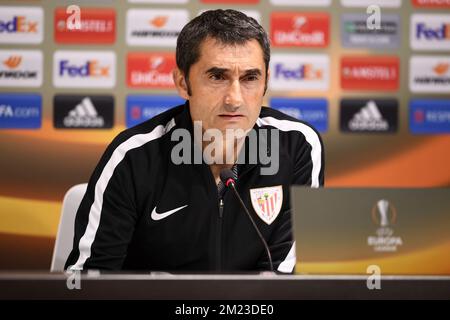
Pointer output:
x,y
267,202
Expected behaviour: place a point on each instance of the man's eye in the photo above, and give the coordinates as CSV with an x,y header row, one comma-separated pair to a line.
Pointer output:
x,y
251,78
216,77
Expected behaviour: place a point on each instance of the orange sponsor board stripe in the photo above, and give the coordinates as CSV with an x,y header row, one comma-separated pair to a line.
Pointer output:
x,y
29,217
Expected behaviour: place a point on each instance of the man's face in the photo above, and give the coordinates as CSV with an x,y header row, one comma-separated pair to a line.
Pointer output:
x,y
227,85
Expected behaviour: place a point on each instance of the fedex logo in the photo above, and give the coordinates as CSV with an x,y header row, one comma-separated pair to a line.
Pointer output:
x,y
303,72
440,33
21,24
18,24
90,69
430,32
87,69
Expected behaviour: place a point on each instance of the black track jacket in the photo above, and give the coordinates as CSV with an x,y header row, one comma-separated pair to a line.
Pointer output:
x,y
143,212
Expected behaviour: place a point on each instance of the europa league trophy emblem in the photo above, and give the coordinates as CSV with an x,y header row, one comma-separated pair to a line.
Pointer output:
x,y
383,207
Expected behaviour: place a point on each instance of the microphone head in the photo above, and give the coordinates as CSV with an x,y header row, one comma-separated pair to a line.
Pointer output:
x,y
226,176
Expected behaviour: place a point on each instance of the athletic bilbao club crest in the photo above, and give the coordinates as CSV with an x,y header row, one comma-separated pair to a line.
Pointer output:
x,y
267,202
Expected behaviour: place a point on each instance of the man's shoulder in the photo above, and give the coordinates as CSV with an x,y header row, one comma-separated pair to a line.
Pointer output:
x,y
270,117
154,127
162,119
149,131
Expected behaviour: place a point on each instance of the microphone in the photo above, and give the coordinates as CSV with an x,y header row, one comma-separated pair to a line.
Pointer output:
x,y
226,176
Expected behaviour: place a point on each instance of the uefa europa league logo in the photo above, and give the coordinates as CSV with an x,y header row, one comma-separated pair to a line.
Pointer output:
x,y
383,213
383,206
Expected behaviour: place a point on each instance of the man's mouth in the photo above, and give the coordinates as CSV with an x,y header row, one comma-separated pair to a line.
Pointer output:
x,y
231,116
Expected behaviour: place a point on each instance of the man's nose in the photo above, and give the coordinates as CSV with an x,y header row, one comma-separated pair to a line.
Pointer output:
x,y
233,97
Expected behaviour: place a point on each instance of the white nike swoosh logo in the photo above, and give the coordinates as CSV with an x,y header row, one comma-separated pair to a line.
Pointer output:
x,y
158,216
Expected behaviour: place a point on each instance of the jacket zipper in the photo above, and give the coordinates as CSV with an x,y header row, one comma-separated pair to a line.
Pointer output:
x,y
219,236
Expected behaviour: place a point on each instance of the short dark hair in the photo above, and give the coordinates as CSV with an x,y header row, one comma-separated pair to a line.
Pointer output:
x,y
226,26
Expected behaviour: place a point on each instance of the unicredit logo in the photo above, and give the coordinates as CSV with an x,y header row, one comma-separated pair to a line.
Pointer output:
x,y
303,30
150,70
18,24
432,3
155,74
440,33
91,68
304,71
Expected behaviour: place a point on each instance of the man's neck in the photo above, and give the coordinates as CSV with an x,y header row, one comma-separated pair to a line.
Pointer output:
x,y
225,160
216,168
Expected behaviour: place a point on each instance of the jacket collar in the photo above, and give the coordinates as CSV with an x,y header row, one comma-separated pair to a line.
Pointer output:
x,y
183,120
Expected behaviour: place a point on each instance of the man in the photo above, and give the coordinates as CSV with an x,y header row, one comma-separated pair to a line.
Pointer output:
x,y
144,209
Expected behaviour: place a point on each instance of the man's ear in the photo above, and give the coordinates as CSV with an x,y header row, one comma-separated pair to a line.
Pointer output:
x,y
180,83
267,81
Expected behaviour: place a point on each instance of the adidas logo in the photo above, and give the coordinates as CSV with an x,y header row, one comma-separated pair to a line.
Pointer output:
x,y
368,118
84,115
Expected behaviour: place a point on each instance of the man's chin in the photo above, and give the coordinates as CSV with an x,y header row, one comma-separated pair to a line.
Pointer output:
x,y
235,129
234,124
